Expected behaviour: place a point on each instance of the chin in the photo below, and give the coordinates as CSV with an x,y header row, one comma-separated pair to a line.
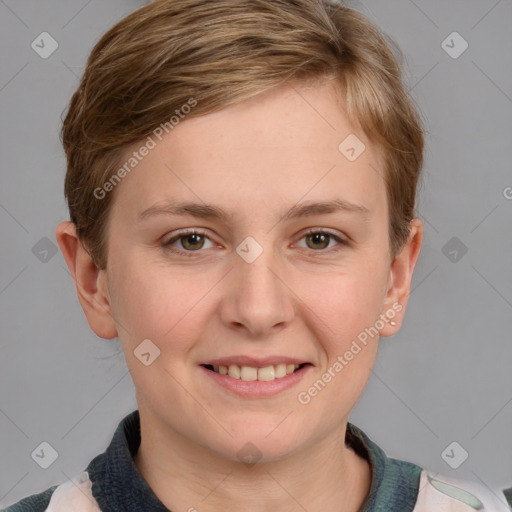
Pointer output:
x,y
256,446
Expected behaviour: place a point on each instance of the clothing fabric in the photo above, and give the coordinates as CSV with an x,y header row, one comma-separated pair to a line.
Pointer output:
x,y
112,483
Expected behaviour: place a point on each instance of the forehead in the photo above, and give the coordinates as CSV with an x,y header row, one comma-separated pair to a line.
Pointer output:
x,y
284,145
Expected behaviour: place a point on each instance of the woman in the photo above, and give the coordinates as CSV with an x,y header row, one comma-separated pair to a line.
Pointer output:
x,y
241,182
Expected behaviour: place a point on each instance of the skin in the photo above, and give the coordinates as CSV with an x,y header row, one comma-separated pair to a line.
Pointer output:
x,y
301,298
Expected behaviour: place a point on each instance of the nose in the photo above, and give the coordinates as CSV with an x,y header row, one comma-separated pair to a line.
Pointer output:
x,y
257,300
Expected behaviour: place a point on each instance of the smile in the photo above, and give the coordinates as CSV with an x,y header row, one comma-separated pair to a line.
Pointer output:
x,y
251,373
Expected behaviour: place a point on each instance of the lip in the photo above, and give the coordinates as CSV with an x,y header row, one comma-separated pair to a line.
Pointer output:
x,y
256,388
253,361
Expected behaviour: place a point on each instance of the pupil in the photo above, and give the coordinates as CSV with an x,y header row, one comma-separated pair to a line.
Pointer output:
x,y
320,238
191,239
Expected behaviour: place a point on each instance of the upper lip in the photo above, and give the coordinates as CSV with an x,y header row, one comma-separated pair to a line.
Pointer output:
x,y
253,361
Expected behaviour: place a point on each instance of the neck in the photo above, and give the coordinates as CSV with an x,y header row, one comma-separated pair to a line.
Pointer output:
x,y
327,475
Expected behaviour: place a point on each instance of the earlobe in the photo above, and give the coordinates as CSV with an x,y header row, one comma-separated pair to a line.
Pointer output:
x,y
90,282
400,278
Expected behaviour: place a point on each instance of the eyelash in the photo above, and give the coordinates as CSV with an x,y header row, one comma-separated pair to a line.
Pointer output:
x,y
310,231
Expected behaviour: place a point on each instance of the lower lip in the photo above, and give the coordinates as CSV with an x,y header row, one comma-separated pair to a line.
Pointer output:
x,y
257,388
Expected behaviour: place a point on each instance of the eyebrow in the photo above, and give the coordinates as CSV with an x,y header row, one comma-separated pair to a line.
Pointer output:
x,y
206,211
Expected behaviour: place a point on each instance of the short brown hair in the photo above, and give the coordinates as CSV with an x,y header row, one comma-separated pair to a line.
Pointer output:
x,y
219,53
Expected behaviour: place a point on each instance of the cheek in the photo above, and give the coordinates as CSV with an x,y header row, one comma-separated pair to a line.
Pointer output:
x,y
344,320
170,307
345,301
344,309
152,303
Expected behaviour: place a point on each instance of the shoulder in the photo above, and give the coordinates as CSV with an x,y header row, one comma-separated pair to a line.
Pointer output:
x,y
75,495
405,486
439,493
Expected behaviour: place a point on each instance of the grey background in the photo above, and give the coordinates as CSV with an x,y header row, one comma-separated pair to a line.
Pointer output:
x,y
444,377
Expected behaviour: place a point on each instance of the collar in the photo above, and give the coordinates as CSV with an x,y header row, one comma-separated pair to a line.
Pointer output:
x,y
118,485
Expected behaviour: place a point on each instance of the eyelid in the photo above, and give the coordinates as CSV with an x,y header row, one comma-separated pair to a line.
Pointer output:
x,y
327,231
187,231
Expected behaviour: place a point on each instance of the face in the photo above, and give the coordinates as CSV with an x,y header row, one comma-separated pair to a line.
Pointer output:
x,y
252,274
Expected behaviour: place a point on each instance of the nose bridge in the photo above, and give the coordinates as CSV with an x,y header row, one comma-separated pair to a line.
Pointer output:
x,y
258,298
259,277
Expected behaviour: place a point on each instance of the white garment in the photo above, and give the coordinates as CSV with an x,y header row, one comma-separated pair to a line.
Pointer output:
x,y
74,495
452,495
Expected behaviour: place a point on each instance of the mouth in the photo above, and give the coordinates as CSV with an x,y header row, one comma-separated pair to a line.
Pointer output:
x,y
252,373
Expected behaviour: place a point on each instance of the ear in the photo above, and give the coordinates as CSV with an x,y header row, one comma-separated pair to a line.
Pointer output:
x,y
400,277
91,283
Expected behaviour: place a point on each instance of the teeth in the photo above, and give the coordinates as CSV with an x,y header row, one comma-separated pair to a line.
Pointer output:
x,y
280,370
249,373
234,371
267,373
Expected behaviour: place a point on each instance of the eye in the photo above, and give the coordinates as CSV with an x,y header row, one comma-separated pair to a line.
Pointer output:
x,y
317,239
191,240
